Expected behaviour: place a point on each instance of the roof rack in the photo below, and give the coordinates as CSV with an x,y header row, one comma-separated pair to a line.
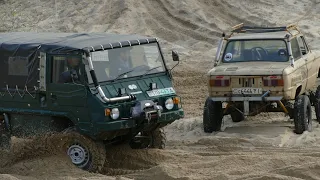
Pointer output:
x,y
240,28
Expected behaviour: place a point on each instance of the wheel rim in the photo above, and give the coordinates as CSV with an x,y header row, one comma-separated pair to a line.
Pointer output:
x,y
78,155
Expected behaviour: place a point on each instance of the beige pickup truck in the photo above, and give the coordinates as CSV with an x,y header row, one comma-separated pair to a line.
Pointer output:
x,y
263,69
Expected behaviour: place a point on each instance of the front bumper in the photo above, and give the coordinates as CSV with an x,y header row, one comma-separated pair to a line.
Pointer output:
x,y
246,100
165,118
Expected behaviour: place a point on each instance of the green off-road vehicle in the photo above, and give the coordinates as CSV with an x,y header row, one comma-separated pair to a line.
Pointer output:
x,y
102,89
263,69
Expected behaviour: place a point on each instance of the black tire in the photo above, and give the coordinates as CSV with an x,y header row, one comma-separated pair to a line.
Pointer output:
x,y
158,139
302,114
236,116
5,141
212,116
84,152
155,140
5,136
316,103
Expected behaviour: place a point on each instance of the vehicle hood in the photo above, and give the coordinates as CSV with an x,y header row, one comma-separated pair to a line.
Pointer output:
x,y
138,87
249,68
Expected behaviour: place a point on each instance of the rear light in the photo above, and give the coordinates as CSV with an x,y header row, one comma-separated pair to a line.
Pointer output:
x,y
219,81
273,81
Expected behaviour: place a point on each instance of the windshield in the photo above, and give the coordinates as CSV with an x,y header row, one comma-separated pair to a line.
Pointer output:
x,y
255,50
127,62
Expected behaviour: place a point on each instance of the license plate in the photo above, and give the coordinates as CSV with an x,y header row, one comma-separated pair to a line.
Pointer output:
x,y
160,92
247,91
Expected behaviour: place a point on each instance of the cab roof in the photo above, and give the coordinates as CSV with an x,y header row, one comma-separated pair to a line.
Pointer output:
x,y
64,42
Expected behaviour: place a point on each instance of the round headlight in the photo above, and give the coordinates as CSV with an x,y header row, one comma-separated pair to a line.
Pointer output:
x,y
115,113
169,104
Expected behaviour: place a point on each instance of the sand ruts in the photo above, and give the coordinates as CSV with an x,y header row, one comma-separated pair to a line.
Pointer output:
x,y
263,147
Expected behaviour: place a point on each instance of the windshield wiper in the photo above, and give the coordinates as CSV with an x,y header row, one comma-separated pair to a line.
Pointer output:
x,y
123,74
149,71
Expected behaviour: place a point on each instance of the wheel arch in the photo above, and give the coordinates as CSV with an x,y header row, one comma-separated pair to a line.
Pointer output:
x,y
298,91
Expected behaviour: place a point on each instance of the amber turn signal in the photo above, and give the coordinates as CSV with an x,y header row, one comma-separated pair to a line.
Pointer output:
x,y
176,100
107,112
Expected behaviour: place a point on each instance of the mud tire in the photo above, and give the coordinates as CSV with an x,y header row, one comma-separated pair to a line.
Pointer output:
x,y
316,103
156,140
5,136
212,116
159,139
95,149
302,114
5,141
236,116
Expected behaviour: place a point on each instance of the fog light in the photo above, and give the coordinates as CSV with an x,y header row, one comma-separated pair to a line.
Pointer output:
x,y
115,113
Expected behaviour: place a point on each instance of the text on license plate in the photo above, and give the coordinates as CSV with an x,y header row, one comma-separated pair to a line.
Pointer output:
x,y
247,91
159,92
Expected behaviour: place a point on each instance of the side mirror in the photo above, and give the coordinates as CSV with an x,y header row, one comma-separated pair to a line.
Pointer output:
x,y
175,56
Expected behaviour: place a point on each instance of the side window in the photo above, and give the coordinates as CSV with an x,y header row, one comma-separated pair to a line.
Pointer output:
x,y
295,49
233,51
302,45
305,44
65,69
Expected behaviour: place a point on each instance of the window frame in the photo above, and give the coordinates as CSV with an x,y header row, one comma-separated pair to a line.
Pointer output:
x,y
296,58
163,64
52,61
301,39
241,40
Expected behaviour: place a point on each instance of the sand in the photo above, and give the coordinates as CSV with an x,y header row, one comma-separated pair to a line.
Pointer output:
x,y
261,147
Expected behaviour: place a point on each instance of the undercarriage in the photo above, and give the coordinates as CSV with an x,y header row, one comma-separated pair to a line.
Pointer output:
x,y
238,107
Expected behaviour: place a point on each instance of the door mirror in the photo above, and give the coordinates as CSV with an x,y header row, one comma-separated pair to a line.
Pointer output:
x,y
175,56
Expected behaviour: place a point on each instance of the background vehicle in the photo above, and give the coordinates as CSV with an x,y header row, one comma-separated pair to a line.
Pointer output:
x,y
75,84
263,69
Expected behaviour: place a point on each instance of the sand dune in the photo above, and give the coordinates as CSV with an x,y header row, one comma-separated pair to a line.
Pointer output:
x,y
263,147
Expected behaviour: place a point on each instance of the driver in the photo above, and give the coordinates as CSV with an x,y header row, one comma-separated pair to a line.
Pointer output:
x,y
72,74
122,62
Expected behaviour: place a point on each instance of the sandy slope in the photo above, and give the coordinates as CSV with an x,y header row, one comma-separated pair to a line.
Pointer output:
x,y
263,147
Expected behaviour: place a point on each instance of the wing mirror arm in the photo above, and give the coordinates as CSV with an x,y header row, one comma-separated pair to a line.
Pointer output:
x,y
175,57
